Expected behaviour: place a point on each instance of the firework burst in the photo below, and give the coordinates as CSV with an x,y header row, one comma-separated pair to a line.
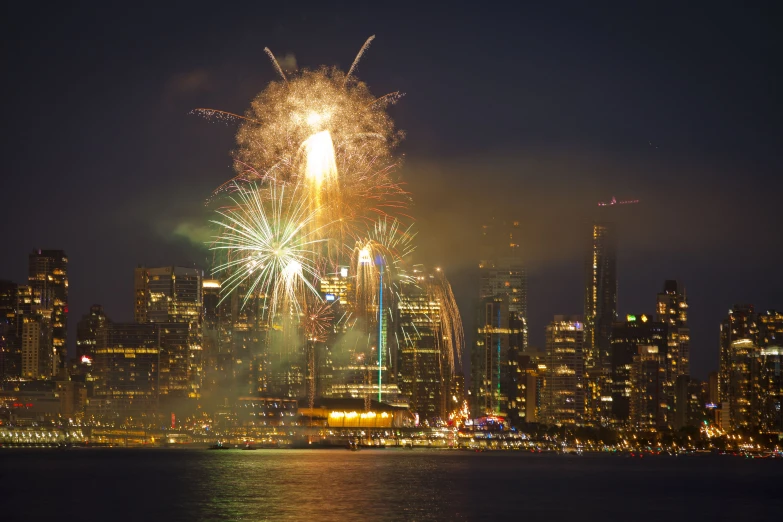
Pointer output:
x,y
269,245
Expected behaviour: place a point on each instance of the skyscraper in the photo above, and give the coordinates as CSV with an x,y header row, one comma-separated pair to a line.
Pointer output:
x,y
38,357
127,374
48,279
647,407
424,375
672,311
738,374
627,338
87,332
10,349
501,335
600,314
173,295
564,390
501,269
770,325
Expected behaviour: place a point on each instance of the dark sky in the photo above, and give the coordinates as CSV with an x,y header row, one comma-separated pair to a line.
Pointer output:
x,y
533,113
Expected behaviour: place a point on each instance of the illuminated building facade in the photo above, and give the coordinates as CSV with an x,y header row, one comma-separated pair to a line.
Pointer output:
x,y
173,294
564,389
647,404
672,311
48,280
501,270
127,373
770,325
500,341
738,373
10,348
87,332
421,375
690,399
600,313
627,338
38,355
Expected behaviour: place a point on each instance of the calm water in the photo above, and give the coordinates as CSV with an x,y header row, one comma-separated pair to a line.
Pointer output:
x,y
201,485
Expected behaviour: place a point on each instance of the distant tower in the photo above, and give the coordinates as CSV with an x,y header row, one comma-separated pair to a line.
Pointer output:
x,y
600,313
172,296
564,401
501,322
737,380
48,279
501,268
87,332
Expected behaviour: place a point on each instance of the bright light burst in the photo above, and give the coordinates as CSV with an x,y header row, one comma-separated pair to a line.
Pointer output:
x,y
269,245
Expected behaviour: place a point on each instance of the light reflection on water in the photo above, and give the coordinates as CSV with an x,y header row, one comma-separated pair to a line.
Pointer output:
x,y
201,485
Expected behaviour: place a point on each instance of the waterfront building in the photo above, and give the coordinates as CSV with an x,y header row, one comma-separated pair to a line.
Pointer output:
x,y
420,375
627,337
87,332
600,313
10,347
48,280
738,374
127,373
38,355
500,341
672,311
174,295
564,389
646,404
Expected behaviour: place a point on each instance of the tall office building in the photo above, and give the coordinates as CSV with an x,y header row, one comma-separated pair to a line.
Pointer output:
x,y
10,348
628,337
647,407
564,389
600,314
48,280
738,374
672,311
770,325
424,376
127,373
501,270
172,295
38,357
500,341
87,332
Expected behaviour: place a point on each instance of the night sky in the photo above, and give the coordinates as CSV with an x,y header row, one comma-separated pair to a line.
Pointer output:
x,y
535,114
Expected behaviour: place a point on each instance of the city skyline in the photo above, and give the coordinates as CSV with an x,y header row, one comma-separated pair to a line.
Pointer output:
x,y
494,249
555,138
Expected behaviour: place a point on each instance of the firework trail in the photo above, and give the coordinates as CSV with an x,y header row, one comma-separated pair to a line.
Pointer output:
x,y
359,56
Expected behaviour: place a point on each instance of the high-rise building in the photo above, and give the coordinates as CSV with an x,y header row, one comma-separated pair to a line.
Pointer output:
x,y
770,325
564,389
419,376
494,360
501,269
48,280
600,314
738,374
646,404
627,337
422,340
672,311
126,368
690,400
10,348
87,332
38,355
173,295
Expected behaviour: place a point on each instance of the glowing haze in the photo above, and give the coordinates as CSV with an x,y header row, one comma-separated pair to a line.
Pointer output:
x,y
315,191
